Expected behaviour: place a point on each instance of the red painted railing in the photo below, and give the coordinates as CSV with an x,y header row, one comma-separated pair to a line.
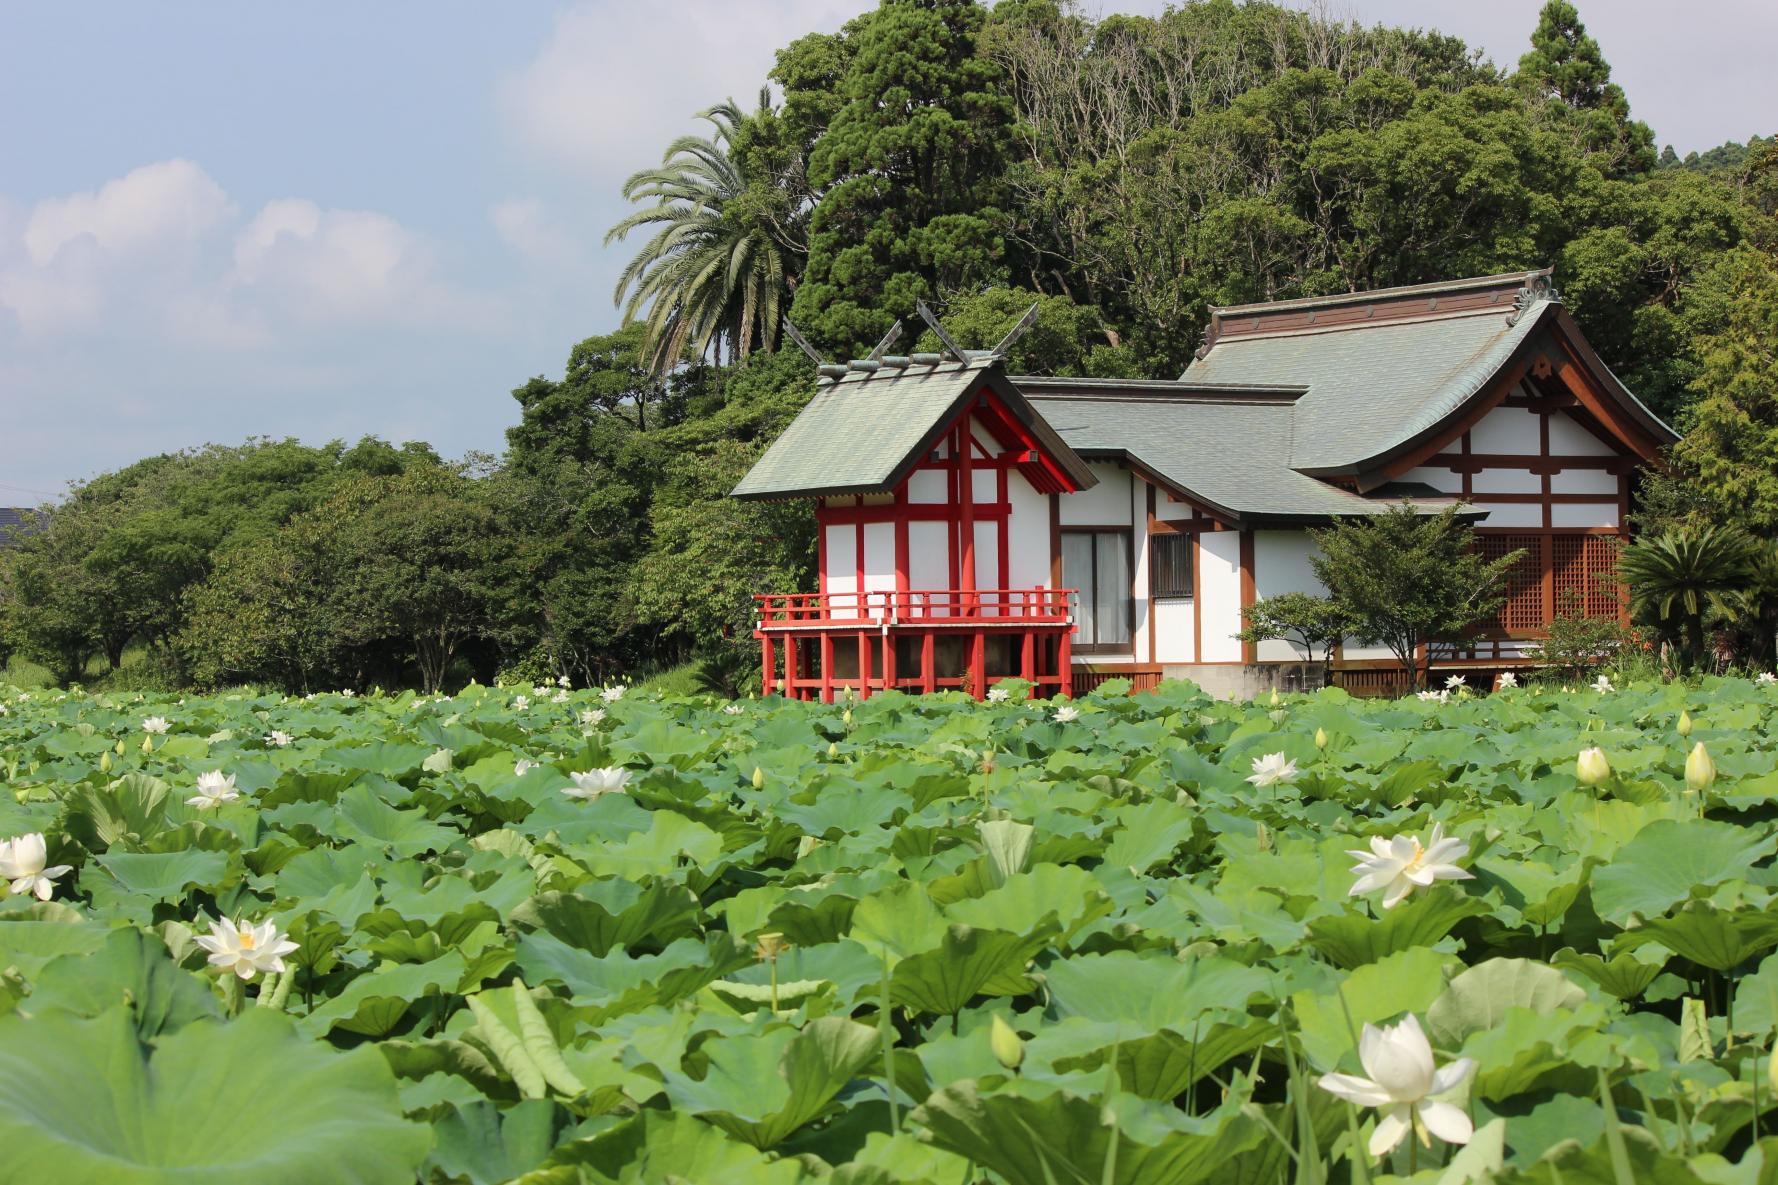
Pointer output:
x,y
1020,606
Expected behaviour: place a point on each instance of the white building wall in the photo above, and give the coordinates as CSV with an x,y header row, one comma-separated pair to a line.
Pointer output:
x,y
842,559
1281,565
1569,439
1028,541
879,557
1219,587
929,563
1446,481
1584,481
1512,430
1106,504
928,485
1510,514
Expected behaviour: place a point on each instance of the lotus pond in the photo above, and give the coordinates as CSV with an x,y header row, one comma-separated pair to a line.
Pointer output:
x,y
561,937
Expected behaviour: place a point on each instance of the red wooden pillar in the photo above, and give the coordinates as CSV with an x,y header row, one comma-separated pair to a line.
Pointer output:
x,y
765,663
1028,661
889,673
966,513
1065,663
826,668
791,645
978,664
864,665
928,664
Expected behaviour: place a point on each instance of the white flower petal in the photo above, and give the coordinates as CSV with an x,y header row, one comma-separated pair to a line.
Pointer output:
x,y
1451,1076
1446,1121
1354,1089
1391,1127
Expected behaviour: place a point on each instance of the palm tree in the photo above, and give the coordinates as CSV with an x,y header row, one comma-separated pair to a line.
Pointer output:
x,y
1678,579
719,269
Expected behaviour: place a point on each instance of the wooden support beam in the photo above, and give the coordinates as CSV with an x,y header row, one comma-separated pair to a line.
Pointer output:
x,y
791,645
978,664
864,665
1249,651
826,668
765,664
928,664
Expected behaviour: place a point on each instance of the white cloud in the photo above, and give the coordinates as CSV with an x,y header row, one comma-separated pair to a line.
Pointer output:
x,y
615,83
526,226
162,252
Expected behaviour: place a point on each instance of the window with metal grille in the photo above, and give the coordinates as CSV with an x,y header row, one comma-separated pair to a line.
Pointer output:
x,y
1585,574
1169,566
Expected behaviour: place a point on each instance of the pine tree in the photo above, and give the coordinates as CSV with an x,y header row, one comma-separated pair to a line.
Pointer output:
x,y
1567,68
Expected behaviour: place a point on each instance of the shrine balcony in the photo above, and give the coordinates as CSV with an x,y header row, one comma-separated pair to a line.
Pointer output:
x,y
814,645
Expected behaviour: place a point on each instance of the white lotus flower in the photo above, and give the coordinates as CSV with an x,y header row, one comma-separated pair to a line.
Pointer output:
x,y
589,784
523,766
214,789
542,691
246,949
997,695
732,709
1591,768
593,717
1399,866
1440,696
279,738
521,702
1272,769
1602,683
1508,679
155,724
564,682
612,694
21,866
1765,677
1067,714
1455,682
560,697
349,693
1402,1082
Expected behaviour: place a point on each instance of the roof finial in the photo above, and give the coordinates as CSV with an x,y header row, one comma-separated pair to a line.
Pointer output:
x,y
1017,331
1536,287
824,368
951,347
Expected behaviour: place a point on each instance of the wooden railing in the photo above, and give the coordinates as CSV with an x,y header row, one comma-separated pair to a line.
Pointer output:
x,y
1010,606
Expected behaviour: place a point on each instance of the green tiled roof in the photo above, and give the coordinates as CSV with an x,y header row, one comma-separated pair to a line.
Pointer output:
x,y
863,433
1222,448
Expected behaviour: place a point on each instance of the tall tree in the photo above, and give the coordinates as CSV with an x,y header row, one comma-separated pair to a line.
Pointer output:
x,y
911,166
730,209
1565,67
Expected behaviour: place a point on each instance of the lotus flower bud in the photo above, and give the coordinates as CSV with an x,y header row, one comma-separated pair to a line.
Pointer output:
x,y
120,748
1009,1049
1685,723
1700,771
105,761
759,778
833,750
846,717
1591,768
1274,701
1321,738
148,744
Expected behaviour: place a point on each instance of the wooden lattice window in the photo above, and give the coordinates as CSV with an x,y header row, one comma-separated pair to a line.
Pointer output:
x,y
1523,610
1585,574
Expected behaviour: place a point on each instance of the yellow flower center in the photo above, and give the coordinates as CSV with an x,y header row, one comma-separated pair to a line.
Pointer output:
x,y
246,937
1415,862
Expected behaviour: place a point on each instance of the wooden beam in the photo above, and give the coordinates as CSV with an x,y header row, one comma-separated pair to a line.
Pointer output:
x,y
1249,651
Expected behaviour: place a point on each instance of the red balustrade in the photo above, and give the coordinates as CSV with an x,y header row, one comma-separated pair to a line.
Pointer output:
x,y
895,607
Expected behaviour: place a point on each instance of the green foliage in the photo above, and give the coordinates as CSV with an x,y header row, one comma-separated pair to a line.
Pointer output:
x,y
1686,580
1303,619
495,981
1578,645
1408,579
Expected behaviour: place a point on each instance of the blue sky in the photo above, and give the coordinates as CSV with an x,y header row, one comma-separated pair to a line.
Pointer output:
x,y
325,220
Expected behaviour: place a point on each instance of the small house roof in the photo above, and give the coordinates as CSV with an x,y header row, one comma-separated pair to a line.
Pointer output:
x,y
1383,369
1224,448
865,432
18,521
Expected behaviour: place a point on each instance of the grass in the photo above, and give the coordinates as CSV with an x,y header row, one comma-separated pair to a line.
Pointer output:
x,y
679,680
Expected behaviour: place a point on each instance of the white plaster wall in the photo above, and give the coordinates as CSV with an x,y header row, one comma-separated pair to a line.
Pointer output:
x,y
1597,514
1106,504
1506,481
879,556
1281,564
1219,587
929,564
1584,481
928,485
1444,480
1028,539
1511,514
842,560
987,555
1506,430
1173,623
1569,439
983,483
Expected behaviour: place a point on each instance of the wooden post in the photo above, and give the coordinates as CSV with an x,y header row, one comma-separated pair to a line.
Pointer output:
x,y
928,664
1028,660
978,665
791,645
826,668
864,665
966,513
765,663
1065,663
1249,651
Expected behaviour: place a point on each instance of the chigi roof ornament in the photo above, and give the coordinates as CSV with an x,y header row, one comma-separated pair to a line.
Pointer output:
x,y
1536,288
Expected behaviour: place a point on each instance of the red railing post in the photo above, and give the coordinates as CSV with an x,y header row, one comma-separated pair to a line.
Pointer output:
x,y
765,663
864,665
791,646
1065,663
826,668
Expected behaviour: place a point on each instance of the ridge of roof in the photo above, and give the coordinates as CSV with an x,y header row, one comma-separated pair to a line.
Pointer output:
x,y
1172,390
1468,283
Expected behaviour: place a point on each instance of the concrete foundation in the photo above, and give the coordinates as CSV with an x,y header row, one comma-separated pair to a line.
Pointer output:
x,y
1234,681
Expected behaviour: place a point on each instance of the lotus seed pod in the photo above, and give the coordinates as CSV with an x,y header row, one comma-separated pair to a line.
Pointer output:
x,y
1685,724
759,778
1321,738
1700,771
1591,768
1009,1049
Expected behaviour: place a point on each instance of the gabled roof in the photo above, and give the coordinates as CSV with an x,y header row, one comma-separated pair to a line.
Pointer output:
x,y
865,432
1224,448
1384,369
17,522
